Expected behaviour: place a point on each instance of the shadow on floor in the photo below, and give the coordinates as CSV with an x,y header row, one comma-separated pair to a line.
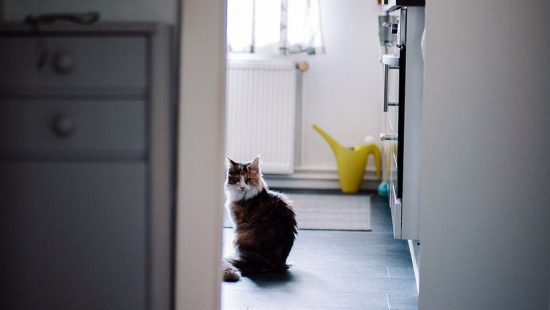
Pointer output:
x,y
271,279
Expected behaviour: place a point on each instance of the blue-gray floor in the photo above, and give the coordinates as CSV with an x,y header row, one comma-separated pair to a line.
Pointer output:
x,y
334,270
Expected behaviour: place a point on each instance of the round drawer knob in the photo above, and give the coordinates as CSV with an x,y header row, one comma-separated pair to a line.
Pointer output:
x,y
63,126
64,63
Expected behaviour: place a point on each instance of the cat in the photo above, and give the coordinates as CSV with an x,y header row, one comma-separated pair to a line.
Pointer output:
x,y
264,221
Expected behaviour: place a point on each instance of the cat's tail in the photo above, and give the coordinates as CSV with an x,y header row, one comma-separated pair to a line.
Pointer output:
x,y
230,273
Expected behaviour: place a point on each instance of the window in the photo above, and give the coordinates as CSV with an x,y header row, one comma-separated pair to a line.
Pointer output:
x,y
274,26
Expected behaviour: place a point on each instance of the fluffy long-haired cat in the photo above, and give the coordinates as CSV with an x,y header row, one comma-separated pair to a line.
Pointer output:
x,y
265,224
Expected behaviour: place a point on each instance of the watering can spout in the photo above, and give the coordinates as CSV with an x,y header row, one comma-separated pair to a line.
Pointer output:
x,y
334,145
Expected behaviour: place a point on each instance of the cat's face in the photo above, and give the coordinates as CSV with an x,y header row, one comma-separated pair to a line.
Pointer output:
x,y
244,180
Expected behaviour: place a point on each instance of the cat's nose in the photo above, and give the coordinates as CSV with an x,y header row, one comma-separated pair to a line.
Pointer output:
x,y
242,187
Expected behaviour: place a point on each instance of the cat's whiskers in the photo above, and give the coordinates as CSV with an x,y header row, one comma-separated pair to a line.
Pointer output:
x,y
237,193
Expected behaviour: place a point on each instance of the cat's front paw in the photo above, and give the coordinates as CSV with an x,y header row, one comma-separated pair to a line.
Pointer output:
x,y
231,274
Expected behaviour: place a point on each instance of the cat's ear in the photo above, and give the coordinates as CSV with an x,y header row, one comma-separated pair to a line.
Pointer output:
x,y
255,163
230,163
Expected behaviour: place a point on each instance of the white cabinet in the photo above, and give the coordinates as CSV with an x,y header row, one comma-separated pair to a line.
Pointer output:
x,y
86,173
403,121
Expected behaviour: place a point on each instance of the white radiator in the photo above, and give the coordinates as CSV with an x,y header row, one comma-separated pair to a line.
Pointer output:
x,y
261,113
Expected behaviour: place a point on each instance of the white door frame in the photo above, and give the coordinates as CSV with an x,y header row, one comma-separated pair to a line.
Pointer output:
x,y
201,151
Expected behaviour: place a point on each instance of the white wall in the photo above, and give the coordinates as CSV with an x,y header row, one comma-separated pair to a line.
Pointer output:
x,y
485,220
110,10
201,155
342,91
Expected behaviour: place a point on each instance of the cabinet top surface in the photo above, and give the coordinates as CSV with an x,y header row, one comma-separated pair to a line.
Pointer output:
x,y
70,28
396,4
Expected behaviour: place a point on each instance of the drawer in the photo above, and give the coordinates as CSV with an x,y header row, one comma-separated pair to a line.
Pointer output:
x,y
80,129
48,63
74,234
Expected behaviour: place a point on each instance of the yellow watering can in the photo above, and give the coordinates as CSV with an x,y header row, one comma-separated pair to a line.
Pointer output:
x,y
351,162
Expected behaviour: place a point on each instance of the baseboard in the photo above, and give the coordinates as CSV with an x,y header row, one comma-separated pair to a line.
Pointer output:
x,y
317,179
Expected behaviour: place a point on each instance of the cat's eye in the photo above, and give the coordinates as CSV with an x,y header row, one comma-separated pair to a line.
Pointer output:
x,y
247,180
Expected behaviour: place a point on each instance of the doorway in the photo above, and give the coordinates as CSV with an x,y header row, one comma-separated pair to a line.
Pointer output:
x,y
343,267
201,174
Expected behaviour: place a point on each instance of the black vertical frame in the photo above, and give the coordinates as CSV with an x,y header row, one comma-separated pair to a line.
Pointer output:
x,y
401,114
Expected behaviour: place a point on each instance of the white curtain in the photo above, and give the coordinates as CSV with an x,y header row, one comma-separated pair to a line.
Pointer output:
x,y
274,26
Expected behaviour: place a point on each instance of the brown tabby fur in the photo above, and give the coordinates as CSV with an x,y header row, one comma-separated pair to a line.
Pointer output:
x,y
265,224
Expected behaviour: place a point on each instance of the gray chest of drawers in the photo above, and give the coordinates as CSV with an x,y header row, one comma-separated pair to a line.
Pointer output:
x,y
86,167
